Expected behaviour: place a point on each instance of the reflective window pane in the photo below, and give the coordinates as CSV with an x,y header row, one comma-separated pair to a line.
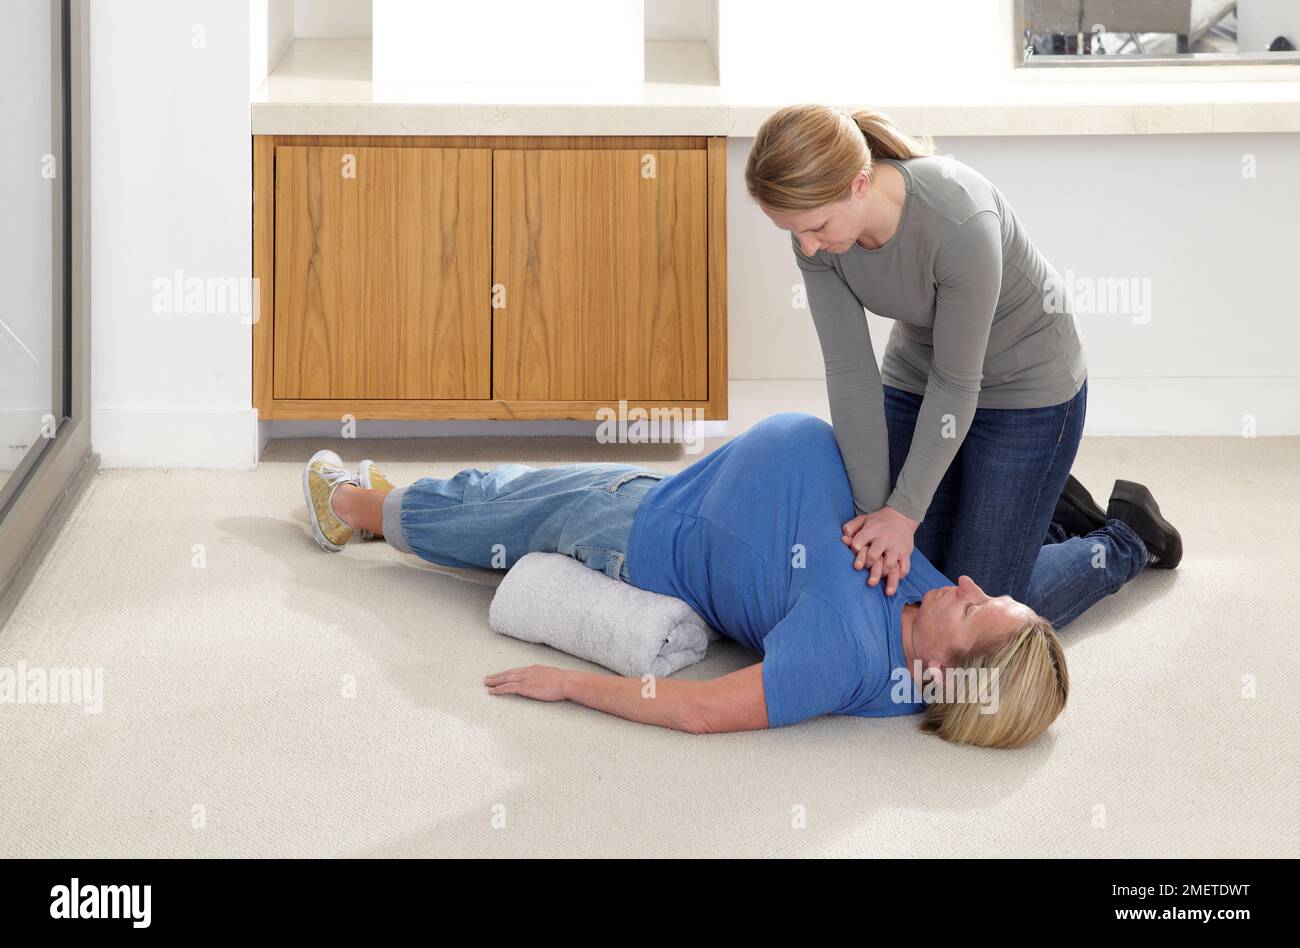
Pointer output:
x,y
28,179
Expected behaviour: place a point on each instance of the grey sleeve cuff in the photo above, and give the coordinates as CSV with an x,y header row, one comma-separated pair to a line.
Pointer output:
x,y
905,508
393,520
870,487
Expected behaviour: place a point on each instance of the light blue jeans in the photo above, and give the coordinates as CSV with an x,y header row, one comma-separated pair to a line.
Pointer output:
x,y
489,519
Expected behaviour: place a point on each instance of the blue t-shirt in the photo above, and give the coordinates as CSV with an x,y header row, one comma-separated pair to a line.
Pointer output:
x,y
749,537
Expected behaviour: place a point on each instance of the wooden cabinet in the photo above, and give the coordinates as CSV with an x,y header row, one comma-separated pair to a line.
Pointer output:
x,y
603,255
489,277
381,260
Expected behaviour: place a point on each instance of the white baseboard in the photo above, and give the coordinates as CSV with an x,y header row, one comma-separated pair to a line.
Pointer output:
x,y
152,437
233,438
1235,407
1116,406
443,429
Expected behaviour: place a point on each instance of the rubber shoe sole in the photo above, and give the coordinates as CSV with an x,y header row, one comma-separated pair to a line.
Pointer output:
x,y
1133,504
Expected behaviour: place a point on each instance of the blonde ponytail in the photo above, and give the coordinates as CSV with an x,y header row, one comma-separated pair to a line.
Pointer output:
x,y
884,138
805,156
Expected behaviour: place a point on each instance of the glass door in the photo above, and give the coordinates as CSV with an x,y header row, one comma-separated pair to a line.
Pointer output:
x,y
44,423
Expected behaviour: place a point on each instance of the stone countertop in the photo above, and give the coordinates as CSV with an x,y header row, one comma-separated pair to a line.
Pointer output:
x,y
324,87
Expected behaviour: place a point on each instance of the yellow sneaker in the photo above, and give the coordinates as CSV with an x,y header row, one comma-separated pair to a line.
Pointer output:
x,y
371,478
322,476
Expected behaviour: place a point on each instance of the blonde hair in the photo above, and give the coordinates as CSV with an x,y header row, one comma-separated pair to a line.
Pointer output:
x,y
805,156
1033,685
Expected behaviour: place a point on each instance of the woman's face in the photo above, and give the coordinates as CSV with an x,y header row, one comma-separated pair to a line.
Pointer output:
x,y
833,227
956,620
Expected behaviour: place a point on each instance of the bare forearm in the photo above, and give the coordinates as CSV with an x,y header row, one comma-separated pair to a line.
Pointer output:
x,y
658,701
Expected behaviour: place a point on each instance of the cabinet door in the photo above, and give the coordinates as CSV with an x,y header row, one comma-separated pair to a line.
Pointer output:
x,y
602,258
382,272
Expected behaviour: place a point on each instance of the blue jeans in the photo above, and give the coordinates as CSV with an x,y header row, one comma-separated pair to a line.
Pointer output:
x,y
991,516
490,519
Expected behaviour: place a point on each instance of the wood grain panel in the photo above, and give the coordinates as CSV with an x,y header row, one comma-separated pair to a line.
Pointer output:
x,y
264,273
382,278
531,142
605,274
472,409
264,229
718,370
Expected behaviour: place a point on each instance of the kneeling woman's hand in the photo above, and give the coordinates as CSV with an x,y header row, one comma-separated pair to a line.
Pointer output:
x,y
539,682
882,539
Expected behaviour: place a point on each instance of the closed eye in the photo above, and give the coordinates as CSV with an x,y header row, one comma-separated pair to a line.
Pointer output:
x,y
969,607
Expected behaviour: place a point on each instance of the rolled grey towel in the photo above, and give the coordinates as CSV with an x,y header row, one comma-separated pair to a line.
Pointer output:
x,y
552,599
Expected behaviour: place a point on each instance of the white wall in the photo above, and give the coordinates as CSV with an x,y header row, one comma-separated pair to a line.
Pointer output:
x,y
521,41
172,184
331,19
871,50
171,190
1217,250
351,19
683,20
1259,22
679,19
271,28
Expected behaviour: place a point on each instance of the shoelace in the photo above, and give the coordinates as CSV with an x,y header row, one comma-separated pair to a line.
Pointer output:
x,y
335,477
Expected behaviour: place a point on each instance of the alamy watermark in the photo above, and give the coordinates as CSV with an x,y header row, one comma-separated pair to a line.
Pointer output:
x,y
80,900
1100,296
34,684
639,425
954,685
179,295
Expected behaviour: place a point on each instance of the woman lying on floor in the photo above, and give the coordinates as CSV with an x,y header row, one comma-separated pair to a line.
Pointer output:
x,y
751,536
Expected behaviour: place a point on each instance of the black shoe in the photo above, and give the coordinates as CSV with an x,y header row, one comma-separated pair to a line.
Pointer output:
x,y
1131,503
1077,512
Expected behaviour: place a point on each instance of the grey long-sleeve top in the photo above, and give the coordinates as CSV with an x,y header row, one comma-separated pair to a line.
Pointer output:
x,y
975,326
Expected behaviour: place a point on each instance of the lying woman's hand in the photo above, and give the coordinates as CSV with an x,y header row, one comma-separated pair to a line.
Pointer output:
x,y
884,540
539,682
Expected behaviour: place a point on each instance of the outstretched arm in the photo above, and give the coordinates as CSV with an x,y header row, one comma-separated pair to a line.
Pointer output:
x,y
853,385
969,270
733,702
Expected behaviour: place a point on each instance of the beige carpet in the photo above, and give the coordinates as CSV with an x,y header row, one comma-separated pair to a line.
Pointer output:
x,y
226,731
